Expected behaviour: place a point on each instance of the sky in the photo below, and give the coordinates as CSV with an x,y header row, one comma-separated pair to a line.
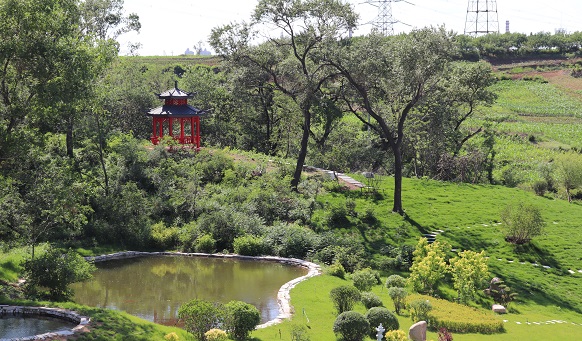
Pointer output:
x,y
170,27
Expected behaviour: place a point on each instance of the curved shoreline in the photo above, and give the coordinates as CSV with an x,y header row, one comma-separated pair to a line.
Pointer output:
x,y
283,295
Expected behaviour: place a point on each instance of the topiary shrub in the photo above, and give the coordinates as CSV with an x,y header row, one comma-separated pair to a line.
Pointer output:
x,y
364,279
205,244
241,318
370,300
352,326
419,310
248,245
398,296
337,270
378,315
396,335
216,335
395,281
344,297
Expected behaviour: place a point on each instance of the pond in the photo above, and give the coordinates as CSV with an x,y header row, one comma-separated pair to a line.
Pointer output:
x,y
13,327
154,287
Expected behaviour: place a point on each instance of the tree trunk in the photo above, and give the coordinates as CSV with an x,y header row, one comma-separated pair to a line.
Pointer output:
x,y
303,151
69,138
397,181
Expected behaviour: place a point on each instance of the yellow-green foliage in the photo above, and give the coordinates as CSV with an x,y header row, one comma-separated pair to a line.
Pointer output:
x,y
459,318
429,265
172,337
216,335
469,271
396,335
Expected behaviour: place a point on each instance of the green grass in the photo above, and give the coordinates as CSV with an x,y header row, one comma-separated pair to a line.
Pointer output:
x,y
11,261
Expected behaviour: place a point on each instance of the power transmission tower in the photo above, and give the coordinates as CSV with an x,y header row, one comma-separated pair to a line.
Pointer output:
x,y
385,20
481,17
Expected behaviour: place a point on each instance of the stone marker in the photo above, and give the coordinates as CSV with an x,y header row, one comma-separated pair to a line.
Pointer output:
x,y
417,331
498,308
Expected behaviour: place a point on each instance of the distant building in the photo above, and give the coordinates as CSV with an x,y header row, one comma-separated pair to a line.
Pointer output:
x,y
203,52
188,52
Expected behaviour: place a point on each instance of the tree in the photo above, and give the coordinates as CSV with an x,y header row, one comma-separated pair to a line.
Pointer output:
x,y
200,316
569,173
381,315
470,272
241,318
55,270
388,78
291,61
344,297
352,326
398,296
364,279
429,265
105,19
521,222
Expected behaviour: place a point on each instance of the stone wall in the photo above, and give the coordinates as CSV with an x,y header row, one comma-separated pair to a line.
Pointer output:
x,y
59,313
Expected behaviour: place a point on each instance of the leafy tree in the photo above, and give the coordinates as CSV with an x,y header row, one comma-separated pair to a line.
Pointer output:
x,y
291,61
395,281
378,315
241,319
521,222
398,296
54,271
569,173
105,18
429,265
470,272
200,316
352,326
344,297
389,77
364,279
419,310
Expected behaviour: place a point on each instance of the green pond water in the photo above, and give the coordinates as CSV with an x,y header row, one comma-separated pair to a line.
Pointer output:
x,y
14,327
154,287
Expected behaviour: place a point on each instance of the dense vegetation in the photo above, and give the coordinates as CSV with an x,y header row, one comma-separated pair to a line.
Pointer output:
x,y
77,171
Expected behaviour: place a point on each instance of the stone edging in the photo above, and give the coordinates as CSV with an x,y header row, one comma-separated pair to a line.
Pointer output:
x,y
59,313
283,296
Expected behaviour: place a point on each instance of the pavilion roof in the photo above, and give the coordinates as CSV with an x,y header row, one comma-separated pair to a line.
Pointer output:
x,y
175,93
177,111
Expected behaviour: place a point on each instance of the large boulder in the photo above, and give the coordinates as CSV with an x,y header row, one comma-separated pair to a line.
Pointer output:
x,y
417,331
498,308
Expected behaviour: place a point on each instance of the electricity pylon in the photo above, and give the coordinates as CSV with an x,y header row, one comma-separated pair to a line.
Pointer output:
x,y
385,20
481,17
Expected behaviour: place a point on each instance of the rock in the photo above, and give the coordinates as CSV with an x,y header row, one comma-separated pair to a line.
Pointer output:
x,y
417,331
498,308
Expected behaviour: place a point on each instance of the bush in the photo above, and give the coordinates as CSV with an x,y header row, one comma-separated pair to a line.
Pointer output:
x,y
248,245
364,279
205,244
337,270
241,318
216,335
200,316
419,310
395,281
398,296
299,333
521,222
164,237
290,240
352,326
370,300
65,268
444,335
344,297
540,187
171,337
396,335
378,315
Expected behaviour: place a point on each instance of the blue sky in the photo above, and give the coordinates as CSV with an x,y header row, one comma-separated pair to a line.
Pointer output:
x,y
171,26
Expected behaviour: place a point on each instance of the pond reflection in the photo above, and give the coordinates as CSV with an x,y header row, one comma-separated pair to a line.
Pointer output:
x,y
154,287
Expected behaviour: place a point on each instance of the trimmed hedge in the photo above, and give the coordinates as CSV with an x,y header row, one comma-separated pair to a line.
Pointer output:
x,y
460,318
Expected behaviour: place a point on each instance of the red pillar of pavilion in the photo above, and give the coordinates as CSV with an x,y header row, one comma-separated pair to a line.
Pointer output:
x,y
176,118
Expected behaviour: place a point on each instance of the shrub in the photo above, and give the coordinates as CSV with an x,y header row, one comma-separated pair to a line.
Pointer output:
x,y
164,237
521,222
396,335
205,244
344,297
171,337
200,316
65,268
248,245
370,300
216,335
419,310
540,187
398,296
241,318
337,270
299,333
364,279
444,335
290,240
352,326
378,315
395,281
